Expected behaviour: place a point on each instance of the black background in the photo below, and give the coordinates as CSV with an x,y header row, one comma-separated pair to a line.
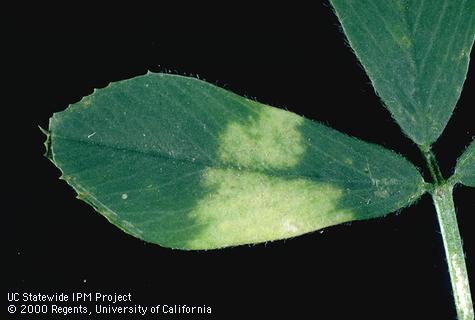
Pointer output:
x,y
291,58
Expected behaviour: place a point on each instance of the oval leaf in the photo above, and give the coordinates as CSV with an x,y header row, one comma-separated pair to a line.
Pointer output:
x,y
465,169
416,54
182,163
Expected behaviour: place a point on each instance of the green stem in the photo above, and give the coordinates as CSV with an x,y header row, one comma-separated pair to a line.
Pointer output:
x,y
444,204
433,166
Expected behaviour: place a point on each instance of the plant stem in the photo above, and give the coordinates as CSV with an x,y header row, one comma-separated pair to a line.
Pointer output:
x,y
433,166
444,204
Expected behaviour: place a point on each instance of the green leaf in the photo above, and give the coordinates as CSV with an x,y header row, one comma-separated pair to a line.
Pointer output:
x,y
416,54
465,169
182,163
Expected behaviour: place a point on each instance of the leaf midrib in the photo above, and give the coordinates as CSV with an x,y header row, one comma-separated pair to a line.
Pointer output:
x,y
274,173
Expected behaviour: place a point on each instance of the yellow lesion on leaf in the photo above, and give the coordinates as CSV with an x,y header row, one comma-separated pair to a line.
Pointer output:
x,y
405,41
244,202
401,35
462,55
272,140
86,101
247,207
401,5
